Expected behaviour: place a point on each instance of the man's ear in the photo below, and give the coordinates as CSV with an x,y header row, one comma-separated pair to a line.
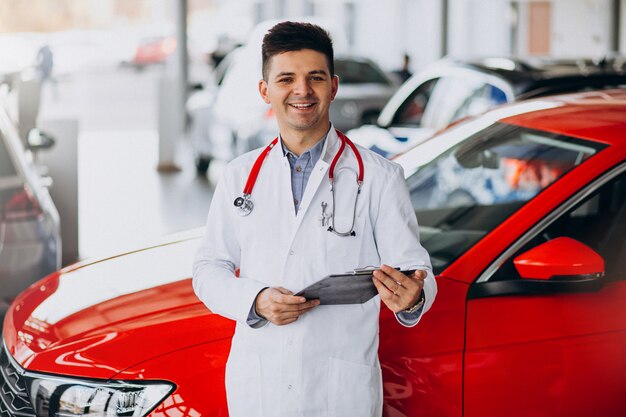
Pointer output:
x,y
263,91
335,87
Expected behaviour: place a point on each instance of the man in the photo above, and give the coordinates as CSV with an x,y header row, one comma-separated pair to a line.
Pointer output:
x,y
290,356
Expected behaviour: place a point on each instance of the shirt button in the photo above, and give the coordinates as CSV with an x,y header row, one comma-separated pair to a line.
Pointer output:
x,y
295,200
298,168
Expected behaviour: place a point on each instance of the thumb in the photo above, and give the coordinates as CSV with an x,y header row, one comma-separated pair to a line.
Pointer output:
x,y
284,291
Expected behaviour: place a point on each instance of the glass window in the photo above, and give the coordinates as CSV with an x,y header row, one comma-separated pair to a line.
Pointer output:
x,y
599,222
481,100
472,187
359,72
412,110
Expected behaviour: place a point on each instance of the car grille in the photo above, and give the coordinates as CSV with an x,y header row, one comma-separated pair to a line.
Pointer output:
x,y
14,400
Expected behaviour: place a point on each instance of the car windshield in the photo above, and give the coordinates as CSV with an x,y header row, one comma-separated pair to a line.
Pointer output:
x,y
473,186
357,72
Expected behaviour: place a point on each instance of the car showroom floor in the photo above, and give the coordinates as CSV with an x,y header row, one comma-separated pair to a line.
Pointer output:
x,y
123,201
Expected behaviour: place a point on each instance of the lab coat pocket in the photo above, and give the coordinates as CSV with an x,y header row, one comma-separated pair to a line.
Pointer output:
x,y
354,390
243,386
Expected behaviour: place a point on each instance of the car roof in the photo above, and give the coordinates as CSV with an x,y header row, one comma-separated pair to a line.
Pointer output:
x,y
596,115
534,77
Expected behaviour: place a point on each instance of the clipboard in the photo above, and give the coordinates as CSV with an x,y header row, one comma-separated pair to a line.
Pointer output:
x,y
349,288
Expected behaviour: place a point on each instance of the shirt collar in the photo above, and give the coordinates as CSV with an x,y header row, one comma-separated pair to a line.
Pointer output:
x,y
314,152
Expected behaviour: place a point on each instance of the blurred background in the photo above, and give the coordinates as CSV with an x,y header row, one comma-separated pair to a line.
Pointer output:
x,y
128,131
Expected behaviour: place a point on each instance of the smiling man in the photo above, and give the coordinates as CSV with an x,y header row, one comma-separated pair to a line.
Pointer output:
x,y
275,216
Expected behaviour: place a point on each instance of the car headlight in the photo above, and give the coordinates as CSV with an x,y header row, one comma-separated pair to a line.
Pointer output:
x,y
67,397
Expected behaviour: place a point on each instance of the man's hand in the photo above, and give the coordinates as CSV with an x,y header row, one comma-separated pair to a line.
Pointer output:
x,y
398,291
280,306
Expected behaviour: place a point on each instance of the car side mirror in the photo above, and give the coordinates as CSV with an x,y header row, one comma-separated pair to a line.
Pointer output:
x,y
560,258
38,140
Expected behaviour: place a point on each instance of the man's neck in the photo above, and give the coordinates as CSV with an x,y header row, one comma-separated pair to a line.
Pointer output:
x,y
299,142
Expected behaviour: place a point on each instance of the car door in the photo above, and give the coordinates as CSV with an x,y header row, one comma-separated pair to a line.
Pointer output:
x,y
561,350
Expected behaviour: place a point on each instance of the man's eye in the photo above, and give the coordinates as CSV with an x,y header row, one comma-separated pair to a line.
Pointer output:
x,y
284,80
317,78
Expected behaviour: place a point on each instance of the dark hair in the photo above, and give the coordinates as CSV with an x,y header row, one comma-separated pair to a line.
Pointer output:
x,y
295,36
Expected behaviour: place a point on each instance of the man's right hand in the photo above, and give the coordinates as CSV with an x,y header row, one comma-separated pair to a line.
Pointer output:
x,y
280,306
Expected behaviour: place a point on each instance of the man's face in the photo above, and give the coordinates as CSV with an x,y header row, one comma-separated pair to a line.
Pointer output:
x,y
299,87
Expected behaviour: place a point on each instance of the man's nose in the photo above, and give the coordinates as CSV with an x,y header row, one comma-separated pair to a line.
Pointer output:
x,y
302,87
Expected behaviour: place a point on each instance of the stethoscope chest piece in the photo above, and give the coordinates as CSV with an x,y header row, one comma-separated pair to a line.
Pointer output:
x,y
244,204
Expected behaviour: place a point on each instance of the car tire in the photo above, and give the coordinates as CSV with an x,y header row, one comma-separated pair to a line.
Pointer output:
x,y
202,165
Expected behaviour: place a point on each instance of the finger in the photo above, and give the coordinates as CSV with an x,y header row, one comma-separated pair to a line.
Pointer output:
x,y
282,322
284,296
290,299
299,307
284,291
387,281
396,275
383,290
387,297
420,274
305,310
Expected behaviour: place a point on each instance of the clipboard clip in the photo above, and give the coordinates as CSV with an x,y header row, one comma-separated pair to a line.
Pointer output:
x,y
367,270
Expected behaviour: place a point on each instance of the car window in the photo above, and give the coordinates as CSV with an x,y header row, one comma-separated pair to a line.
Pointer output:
x,y
410,113
356,72
472,187
454,97
599,221
7,169
481,100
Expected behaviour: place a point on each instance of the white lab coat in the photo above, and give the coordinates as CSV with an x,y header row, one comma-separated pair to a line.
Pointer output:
x,y
326,362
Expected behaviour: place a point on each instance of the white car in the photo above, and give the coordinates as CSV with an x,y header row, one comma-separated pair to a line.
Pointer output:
x,y
449,90
230,118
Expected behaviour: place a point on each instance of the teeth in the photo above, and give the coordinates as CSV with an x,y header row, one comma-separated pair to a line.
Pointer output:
x,y
301,106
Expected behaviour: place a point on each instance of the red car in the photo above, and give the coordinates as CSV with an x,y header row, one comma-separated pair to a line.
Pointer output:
x,y
523,211
154,50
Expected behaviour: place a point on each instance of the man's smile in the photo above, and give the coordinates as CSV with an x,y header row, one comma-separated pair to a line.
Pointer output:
x,y
301,106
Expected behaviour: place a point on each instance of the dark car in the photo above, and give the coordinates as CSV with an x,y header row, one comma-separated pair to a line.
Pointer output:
x,y
30,233
451,89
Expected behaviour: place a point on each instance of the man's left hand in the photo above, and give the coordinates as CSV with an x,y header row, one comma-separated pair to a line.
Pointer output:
x,y
398,291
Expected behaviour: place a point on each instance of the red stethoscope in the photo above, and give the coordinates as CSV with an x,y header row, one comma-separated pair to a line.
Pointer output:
x,y
245,204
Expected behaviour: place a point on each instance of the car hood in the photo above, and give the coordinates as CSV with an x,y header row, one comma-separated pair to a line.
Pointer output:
x,y
97,319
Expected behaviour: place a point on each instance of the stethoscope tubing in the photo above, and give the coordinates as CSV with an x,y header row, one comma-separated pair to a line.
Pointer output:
x,y
245,204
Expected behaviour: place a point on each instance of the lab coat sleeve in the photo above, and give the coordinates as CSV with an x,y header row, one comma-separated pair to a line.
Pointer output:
x,y
214,280
397,236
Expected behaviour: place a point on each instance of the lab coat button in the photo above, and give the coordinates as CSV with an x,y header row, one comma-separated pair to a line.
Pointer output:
x,y
291,252
289,386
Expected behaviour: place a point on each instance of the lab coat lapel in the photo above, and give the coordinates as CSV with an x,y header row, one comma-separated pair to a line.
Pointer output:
x,y
283,182
317,178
